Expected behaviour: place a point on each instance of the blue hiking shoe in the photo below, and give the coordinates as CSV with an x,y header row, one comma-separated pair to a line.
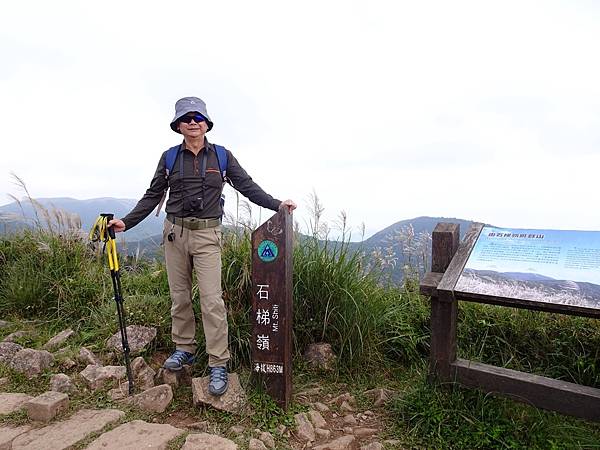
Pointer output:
x,y
178,359
218,381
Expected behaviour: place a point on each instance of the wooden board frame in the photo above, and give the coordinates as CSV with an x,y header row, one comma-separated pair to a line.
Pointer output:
x,y
448,261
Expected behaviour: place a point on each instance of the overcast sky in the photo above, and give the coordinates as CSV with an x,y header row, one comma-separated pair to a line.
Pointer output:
x,y
480,110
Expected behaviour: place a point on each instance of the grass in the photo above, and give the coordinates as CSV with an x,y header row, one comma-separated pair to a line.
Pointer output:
x,y
380,332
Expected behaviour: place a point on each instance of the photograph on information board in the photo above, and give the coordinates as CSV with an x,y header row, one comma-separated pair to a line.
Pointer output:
x,y
549,266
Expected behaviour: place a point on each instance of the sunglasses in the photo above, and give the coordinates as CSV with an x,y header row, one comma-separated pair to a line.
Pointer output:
x,y
196,117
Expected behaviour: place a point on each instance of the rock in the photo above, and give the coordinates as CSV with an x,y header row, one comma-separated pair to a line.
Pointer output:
x,y
281,429
347,430
135,435
156,399
119,393
8,434
320,356
46,406
256,444
309,392
4,381
391,442
4,324
322,433
317,419
200,426
62,383
58,340
341,443
7,351
10,402
372,446
304,429
345,407
379,396
95,377
340,399
67,364
362,432
234,400
138,338
369,413
267,438
31,362
349,420
87,357
12,337
173,378
205,441
237,429
64,434
143,374
321,407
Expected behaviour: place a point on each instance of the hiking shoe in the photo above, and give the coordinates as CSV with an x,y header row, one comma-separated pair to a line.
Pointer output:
x,y
178,359
218,380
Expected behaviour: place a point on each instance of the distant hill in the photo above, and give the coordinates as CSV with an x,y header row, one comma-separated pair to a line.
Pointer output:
x,y
406,241
12,217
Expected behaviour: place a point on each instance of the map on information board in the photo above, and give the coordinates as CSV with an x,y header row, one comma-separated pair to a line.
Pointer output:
x,y
549,266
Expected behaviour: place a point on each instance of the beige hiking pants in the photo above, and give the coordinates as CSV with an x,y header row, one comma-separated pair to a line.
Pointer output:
x,y
199,251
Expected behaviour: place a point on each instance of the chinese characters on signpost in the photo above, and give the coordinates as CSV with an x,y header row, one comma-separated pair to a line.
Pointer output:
x,y
271,315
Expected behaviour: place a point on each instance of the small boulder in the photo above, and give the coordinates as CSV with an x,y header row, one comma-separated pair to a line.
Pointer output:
x,y
322,433
205,441
362,432
340,399
156,399
136,434
7,351
349,420
138,338
95,377
317,419
12,337
256,444
237,429
62,383
341,443
320,356
379,396
267,438
174,378
304,429
372,446
58,340
31,362
200,426
321,407
143,374
233,400
46,406
87,357
4,324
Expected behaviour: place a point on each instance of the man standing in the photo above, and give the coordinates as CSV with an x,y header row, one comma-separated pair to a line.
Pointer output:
x,y
192,234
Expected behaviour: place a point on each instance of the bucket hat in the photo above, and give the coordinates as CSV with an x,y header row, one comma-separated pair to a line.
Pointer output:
x,y
187,105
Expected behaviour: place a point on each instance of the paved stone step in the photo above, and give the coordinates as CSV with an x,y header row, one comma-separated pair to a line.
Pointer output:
x,y
8,434
61,435
136,435
10,402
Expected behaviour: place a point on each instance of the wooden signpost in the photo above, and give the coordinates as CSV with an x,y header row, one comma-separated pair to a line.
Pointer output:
x,y
272,309
442,285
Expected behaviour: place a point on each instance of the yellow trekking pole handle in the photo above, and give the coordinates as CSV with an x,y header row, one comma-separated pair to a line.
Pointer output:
x,y
102,232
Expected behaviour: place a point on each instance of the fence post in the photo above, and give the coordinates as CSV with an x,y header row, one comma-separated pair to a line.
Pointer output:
x,y
444,241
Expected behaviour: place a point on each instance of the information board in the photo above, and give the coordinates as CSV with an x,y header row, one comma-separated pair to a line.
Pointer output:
x,y
548,266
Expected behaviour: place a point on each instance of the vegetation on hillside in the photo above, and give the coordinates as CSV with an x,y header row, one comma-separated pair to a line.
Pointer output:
x,y
53,279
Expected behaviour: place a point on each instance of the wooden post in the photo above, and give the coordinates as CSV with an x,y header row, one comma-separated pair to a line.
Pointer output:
x,y
272,311
445,240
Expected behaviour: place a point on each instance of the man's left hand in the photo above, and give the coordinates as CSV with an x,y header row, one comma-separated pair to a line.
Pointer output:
x,y
289,204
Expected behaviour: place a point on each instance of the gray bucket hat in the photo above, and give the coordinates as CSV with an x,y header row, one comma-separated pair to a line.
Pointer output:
x,y
186,105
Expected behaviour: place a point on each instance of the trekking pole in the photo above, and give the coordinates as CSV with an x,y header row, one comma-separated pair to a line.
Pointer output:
x,y
102,232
